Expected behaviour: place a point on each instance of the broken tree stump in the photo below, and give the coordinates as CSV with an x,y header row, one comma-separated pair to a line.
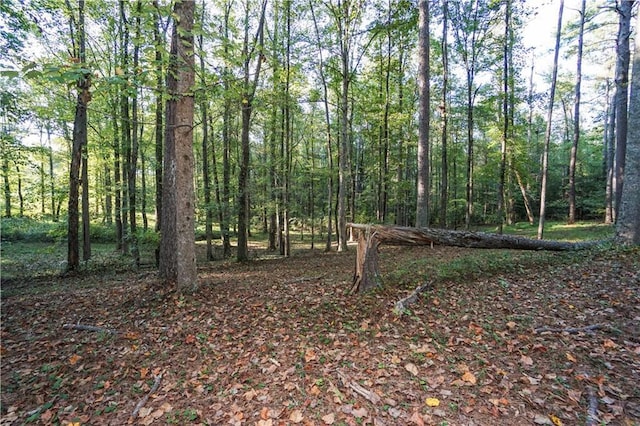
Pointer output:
x,y
371,237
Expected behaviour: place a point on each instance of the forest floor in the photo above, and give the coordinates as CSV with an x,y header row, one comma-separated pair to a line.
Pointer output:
x,y
500,337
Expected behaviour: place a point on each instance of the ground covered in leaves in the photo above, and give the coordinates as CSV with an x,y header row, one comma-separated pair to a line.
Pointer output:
x,y
509,338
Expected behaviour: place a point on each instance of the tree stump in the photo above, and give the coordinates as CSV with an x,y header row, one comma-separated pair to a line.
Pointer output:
x,y
367,274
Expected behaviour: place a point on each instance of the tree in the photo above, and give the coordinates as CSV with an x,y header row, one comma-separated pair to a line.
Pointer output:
x,y
547,134
621,99
424,110
576,120
177,247
628,225
79,140
250,53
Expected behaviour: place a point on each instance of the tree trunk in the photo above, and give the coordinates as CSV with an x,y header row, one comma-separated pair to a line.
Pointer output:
x,y
249,90
204,107
444,110
158,41
424,110
370,237
177,248
7,186
79,141
547,134
621,100
86,216
576,121
133,156
505,112
226,141
628,226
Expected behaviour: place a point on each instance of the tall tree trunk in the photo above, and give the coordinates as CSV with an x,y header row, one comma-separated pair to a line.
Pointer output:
x,y
422,207
158,42
609,154
444,109
505,112
249,89
125,128
143,189
329,145
226,140
117,178
628,225
133,157
343,18
576,121
204,107
86,216
79,141
52,177
621,103
7,185
547,133
177,247
20,195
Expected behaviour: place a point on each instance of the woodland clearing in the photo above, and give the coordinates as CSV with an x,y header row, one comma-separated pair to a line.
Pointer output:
x,y
500,337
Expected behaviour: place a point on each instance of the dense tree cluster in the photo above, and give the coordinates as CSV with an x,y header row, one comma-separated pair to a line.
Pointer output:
x,y
306,114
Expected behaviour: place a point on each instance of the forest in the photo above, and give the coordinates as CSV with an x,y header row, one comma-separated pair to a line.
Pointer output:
x,y
184,181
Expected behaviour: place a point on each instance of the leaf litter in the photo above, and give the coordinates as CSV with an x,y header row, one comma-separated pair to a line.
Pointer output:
x,y
279,342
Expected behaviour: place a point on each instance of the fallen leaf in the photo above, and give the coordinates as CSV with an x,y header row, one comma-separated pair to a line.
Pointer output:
x,y
309,355
608,343
469,377
73,359
329,419
267,422
265,413
511,325
416,418
143,372
296,416
432,402
526,360
411,368
190,339
556,421
570,357
360,412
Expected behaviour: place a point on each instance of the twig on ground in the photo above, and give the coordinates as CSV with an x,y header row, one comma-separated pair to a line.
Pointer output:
x,y
570,330
144,400
402,304
303,279
83,327
592,412
369,395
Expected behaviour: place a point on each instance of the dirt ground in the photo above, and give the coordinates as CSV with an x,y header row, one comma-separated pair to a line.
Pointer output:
x,y
279,342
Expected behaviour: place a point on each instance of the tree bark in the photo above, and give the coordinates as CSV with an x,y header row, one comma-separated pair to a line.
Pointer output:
x,y
370,237
79,141
573,158
177,248
424,184
444,110
547,134
621,99
628,226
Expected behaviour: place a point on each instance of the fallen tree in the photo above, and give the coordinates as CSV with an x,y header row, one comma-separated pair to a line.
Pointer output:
x,y
370,237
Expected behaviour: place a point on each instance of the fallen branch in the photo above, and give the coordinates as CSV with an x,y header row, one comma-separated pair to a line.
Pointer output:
x,y
592,412
402,304
83,327
570,330
303,279
359,389
144,400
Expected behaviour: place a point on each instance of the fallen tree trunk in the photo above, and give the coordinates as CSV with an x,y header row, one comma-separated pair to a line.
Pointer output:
x,y
370,237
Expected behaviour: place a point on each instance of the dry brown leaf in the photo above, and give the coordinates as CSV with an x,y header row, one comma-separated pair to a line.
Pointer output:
x,y
411,368
329,419
296,416
469,377
570,357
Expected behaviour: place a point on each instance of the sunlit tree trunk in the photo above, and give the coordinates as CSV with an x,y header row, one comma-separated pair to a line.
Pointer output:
x,y
576,121
505,113
628,226
621,98
177,247
422,208
158,42
547,134
226,140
